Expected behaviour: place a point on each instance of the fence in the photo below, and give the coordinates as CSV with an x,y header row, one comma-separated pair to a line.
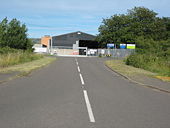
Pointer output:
x,y
117,53
84,51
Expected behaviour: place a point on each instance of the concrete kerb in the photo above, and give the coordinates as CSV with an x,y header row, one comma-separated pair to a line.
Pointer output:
x,y
136,82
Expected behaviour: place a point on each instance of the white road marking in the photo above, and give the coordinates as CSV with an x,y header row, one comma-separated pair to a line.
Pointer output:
x,y
81,78
78,69
89,109
76,61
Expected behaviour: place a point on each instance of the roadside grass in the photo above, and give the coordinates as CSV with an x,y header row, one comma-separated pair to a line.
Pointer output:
x,y
121,67
19,57
150,62
130,71
26,68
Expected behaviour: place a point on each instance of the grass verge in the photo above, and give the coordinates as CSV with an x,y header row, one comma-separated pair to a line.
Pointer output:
x,y
129,71
17,58
26,68
121,67
150,62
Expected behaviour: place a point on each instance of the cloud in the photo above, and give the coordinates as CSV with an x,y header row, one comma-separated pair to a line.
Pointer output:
x,y
91,7
62,16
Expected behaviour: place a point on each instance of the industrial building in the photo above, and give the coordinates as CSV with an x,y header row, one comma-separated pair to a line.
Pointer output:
x,y
80,43
75,43
70,39
45,40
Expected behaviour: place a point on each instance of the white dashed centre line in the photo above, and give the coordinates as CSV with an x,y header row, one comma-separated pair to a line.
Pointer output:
x,y
76,61
89,109
88,105
81,78
78,69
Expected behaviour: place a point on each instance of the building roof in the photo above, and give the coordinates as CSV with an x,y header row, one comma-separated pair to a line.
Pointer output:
x,y
71,38
75,33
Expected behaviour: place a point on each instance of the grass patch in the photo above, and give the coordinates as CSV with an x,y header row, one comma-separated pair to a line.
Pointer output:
x,y
130,71
22,61
121,67
26,68
9,59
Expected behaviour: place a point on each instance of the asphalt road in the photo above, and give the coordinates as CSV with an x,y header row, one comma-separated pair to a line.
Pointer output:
x,y
80,93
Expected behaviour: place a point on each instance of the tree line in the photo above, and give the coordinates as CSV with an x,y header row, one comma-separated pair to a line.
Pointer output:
x,y
13,34
139,22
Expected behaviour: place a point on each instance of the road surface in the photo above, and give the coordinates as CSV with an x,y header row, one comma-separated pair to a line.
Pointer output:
x,y
80,93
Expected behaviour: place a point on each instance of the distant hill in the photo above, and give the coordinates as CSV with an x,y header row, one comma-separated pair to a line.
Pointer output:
x,y
36,40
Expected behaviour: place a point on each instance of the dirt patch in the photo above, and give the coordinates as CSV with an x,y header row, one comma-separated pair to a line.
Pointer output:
x,y
163,78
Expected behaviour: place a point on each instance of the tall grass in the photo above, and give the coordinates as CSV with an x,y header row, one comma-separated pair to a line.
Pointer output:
x,y
13,58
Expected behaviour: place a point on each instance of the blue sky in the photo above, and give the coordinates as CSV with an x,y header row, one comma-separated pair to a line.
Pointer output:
x,y
54,17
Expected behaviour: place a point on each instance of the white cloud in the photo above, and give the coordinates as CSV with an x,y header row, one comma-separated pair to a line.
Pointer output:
x,y
78,6
62,16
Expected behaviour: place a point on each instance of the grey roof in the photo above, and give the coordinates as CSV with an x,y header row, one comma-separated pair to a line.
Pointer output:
x,y
70,38
74,33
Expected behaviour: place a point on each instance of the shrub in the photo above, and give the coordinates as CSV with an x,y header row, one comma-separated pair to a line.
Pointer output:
x,y
150,62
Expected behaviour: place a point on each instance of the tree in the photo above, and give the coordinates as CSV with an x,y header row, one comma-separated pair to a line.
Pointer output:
x,y
145,23
14,35
115,30
3,32
138,22
166,21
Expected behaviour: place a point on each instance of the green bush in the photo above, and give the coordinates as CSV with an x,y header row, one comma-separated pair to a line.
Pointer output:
x,y
150,62
151,55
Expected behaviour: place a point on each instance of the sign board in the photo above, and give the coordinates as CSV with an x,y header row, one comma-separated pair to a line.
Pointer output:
x,y
110,45
131,46
122,46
